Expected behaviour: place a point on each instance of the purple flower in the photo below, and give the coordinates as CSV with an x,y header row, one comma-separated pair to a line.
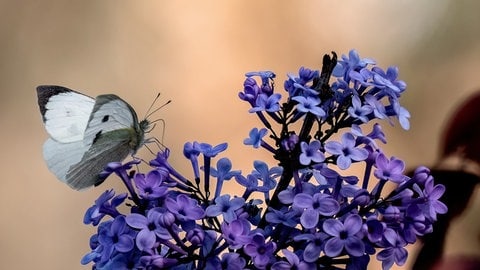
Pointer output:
x,y
157,262
346,151
232,261
293,262
311,153
315,243
236,233
266,175
430,196
226,207
309,105
389,169
255,137
402,114
223,172
260,251
318,204
394,252
150,186
388,81
359,111
211,151
267,103
286,217
103,206
149,227
352,62
344,236
116,236
250,91
185,209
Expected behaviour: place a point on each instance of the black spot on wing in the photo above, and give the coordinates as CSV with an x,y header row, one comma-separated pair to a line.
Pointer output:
x,y
97,136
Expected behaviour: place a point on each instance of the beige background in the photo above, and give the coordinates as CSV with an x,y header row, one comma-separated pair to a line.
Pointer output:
x,y
196,53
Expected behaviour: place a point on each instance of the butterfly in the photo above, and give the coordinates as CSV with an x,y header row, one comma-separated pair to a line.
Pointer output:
x,y
87,133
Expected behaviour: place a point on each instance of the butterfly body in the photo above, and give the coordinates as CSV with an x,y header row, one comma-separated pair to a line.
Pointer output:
x,y
86,134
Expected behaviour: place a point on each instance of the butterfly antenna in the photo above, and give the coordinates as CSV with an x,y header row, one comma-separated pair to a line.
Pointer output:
x,y
150,112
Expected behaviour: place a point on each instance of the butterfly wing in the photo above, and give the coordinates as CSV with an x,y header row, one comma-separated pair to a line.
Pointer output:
x,y
108,147
110,113
112,134
61,156
65,112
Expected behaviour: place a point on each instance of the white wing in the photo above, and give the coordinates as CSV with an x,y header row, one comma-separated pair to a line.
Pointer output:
x,y
65,112
60,157
109,113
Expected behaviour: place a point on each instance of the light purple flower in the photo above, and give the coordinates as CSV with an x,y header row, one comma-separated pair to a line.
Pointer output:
x,y
346,151
309,105
226,207
389,169
311,153
149,227
318,204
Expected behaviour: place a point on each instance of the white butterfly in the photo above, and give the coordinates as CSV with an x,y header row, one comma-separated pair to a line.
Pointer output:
x,y
86,133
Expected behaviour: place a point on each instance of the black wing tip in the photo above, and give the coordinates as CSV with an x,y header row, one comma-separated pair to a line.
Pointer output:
x,y
45,92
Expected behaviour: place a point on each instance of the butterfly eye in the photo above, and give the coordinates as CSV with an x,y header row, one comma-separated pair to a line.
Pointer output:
x,y
105,118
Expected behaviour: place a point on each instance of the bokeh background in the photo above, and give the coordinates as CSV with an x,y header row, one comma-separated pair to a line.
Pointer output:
x,y
195,53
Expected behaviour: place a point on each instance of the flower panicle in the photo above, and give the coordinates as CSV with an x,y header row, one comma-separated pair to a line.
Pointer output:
x,y
308,212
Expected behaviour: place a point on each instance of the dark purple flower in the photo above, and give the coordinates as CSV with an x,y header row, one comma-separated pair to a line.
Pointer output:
x,y
318,204
430,196
344,236
196,236
374,229
311,152
157,262
260,251
150,186
395,252
116,236
287,217
149,227
124,261
184,208
314,247
226,207
293,262
104,206
232,261
346,151
389,169
236,233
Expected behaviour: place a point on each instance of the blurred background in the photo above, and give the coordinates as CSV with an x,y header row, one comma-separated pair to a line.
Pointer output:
x,y
196,53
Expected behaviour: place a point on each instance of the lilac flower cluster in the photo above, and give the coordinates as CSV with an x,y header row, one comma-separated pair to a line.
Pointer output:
x,y
309,212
